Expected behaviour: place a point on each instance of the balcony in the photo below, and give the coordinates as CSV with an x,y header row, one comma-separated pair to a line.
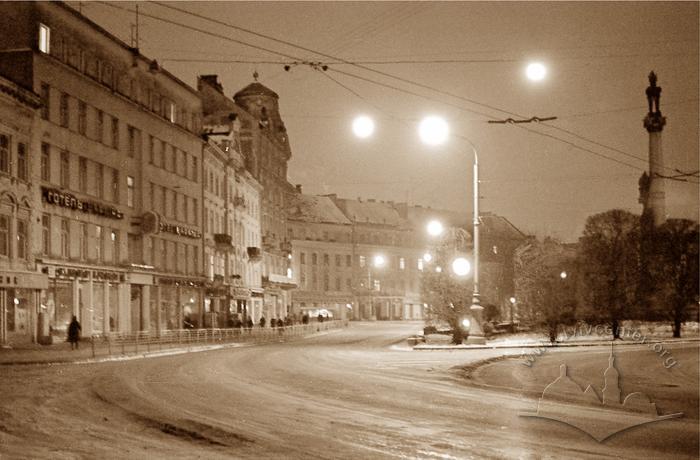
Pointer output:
x,y
286,246
254,254
223,241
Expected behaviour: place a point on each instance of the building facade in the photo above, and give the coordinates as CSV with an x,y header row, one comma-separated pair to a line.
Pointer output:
x,y
118,166
20,211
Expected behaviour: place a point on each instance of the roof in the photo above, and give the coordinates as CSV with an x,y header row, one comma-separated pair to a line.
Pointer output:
x,y
256,89
372,212
320,209
496,226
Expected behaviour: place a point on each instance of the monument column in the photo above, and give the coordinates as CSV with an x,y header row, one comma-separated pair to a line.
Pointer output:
x,y
654,197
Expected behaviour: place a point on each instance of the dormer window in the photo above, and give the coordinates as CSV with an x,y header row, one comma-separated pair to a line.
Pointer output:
x,y
44,38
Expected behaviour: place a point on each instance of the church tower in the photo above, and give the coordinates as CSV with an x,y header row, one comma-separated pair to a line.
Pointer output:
x,y
611,390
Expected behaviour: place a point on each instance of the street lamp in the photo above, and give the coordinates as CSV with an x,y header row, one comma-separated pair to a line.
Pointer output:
x,y
433,131
378,261
363,126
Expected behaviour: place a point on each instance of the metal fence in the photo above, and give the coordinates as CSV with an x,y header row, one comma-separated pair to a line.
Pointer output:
x,y
117,343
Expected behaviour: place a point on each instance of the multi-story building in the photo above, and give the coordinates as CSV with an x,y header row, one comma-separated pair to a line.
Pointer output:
x,y
322,257
20,214
119,169
265,149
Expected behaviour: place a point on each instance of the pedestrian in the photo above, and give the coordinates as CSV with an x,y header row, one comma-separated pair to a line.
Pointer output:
x,y
249,324
262,321
273,322
74,333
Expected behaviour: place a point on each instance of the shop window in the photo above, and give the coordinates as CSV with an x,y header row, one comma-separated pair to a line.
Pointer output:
x,y
4,154
44,38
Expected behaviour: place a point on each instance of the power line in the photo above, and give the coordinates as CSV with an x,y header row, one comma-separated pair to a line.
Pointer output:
x,y
401,79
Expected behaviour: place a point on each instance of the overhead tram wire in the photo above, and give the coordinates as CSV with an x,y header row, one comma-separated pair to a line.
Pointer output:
x,y
206,32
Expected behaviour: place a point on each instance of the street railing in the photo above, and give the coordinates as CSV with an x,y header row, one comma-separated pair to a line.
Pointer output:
x,y
121,343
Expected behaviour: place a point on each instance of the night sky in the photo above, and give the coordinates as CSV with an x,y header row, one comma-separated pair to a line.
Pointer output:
x,y
465,62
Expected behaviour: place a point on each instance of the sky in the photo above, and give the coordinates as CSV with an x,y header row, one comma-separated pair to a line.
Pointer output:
x,y
401,61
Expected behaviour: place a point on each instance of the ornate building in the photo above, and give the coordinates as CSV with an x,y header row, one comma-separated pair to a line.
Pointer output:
x,y
118,169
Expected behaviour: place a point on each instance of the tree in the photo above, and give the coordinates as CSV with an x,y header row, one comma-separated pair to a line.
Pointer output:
x,y
544,287
446,294
674,268
609,259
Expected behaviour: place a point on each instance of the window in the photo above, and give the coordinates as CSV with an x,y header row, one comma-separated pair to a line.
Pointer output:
x,y
130,191
402,263
115,133
196,212
99,126
65,119
420,264
151,149
4,154
194,168
172,111
115,186
99,243
362,261
348,260
314,259
46,234
4,236
114,239
65,241
65,169
83,241
44,38
302,258
82,177
326,259
99,180
337,284
45,98
45,162
348,284
22,161
163,153
326,283
134,141
82,117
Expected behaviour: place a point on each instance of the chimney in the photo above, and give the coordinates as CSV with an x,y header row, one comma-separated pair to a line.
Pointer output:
x,y
298,188
211,80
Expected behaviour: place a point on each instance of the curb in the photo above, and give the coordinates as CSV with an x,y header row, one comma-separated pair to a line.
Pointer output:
x,y
152,354
548,345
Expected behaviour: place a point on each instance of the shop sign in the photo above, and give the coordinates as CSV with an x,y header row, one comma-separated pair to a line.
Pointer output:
x,y
97,275
180,230
178,282
66,200
240,293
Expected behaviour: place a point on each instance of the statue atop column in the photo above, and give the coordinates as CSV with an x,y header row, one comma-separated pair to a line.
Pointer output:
x,y
653,94
654,121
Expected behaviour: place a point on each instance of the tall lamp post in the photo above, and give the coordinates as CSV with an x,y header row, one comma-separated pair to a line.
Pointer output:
x,y
433,131
377,261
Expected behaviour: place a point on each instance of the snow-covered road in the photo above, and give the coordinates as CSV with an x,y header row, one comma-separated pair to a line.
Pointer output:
x,y
345,394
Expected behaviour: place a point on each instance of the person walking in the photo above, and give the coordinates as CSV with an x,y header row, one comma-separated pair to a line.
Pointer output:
x,y
74,333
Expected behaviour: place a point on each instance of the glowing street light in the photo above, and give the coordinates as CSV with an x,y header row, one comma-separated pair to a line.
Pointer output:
x,y
461,266
435,228
363,126
427,257
379,261
433,130
536,71
563,275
